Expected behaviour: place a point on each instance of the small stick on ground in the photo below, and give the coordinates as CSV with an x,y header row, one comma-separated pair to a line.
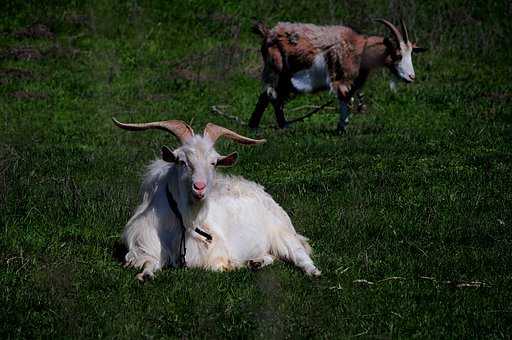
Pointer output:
x,y
476,284
455,284
312,112
392,278
364,282
331,108
316,108
215,109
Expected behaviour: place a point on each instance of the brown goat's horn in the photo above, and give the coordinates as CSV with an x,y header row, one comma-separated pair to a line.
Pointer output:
x,y
214,132
393,29
178,128
404,31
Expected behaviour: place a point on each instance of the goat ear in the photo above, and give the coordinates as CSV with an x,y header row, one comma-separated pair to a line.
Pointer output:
x,y
419,49
168,155
228,160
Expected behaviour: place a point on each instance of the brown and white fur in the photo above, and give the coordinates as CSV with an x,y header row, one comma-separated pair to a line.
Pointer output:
x,y
306,58
248,228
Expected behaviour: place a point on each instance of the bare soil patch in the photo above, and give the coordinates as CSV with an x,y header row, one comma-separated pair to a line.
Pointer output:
x,y
158,97
16,73
222,18
9,74
25,95
22,53
29,53
217,64
77,19
499,96
35,31
59,51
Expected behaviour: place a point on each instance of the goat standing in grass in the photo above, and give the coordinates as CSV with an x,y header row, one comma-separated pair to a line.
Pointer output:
x,y
192,215
305,58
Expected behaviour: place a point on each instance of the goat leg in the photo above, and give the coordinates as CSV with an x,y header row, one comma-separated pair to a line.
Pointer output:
x,y
148,270
262,104
344,117
278,105
361,106
258,263
343,94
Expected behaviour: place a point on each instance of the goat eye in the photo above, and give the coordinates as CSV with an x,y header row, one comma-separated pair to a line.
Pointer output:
x,y
213,163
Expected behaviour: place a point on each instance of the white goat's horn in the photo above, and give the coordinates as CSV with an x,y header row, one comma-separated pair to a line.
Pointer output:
x,y
393,29
178,128
214,132
404,31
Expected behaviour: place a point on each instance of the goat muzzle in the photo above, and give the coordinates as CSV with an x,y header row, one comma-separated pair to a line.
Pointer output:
x,y
199,190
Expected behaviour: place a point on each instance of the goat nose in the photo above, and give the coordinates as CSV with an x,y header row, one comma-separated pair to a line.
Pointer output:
x,y
199,186
412,76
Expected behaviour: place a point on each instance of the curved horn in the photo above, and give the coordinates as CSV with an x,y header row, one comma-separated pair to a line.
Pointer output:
x,y
393,29
404,31
214,132
178,128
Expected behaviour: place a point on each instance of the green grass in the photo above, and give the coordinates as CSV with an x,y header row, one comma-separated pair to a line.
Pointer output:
x,y
415,198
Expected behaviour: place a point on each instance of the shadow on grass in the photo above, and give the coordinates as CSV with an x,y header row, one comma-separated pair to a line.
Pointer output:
x,y
119,251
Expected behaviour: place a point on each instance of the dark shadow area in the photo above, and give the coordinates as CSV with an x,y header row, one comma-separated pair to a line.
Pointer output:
x,y
119,251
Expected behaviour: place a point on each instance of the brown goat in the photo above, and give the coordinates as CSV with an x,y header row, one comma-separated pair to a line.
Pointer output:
x,y
306,58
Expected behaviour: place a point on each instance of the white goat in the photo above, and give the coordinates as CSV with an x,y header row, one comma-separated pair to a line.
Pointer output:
x,y
228,221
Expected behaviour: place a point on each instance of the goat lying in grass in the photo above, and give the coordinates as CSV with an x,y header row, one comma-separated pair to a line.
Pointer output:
x,y
191,215
305,58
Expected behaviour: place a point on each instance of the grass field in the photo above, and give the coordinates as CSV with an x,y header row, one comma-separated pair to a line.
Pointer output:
x,y
409,213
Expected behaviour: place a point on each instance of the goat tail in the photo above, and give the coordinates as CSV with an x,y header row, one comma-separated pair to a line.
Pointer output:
x,y
260,28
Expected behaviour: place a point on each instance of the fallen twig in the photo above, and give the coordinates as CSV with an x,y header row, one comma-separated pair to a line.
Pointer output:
x,y
342,271
369,283
392,278
215,109
476,284
338,287
312,112
316,108
360,334
363,281
455,284
427,278
332,108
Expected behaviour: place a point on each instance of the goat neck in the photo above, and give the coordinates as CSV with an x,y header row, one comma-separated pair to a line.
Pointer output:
x,y
375,54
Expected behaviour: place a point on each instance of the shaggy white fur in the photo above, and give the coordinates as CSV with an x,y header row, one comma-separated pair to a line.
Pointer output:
x,y
247,226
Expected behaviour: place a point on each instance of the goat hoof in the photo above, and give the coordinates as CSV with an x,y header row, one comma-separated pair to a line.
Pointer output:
x,y
314,273
341,130
145,276
254,265
285,125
